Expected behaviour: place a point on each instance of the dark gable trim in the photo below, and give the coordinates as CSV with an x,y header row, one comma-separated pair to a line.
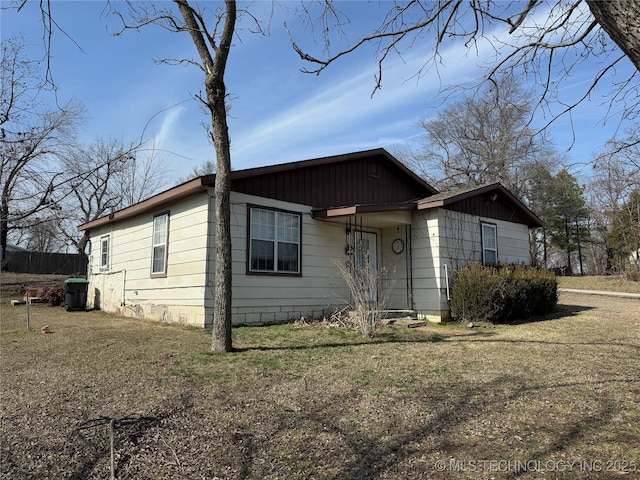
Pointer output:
x,y
316,162
370,177
488,201
183,190
362,178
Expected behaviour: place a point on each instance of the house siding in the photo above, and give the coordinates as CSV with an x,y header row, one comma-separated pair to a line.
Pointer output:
x,y
278,298
127,288
444,241
427,265
438,239
362,180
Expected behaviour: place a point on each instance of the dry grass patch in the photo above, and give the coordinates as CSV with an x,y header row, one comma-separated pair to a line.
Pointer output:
x,y
612,283
12,284
317,402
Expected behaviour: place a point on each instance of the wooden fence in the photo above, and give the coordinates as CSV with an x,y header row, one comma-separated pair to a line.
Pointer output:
x,y
46,263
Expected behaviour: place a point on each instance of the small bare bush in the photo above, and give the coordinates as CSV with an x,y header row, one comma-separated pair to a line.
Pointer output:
x,y
369,290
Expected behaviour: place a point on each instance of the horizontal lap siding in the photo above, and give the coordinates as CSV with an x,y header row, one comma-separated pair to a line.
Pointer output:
x,y
451,239
178,297
445,237
265,298
513,242
426,263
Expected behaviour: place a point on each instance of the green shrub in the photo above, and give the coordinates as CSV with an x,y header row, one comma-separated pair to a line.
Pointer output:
x,y
502,294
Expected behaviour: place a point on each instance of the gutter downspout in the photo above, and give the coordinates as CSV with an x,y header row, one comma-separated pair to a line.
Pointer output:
x,y
124,287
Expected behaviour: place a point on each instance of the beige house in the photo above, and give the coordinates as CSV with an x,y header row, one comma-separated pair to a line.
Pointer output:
x,y
292,225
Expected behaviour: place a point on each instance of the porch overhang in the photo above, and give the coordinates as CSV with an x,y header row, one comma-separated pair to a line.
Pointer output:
x,y
378,216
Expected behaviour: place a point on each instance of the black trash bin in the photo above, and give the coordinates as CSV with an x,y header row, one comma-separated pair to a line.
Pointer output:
x,y
75,297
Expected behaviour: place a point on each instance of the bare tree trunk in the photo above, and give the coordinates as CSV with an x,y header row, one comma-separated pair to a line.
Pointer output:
x,y
4,224
567,230
214,66
221,335
621,20
579,248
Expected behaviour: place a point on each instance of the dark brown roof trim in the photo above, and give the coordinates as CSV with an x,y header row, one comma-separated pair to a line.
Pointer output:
x,y
359,209
200,184
181,191
447,198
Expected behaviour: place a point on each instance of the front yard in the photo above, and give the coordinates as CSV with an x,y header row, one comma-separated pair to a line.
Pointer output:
x,y
558,398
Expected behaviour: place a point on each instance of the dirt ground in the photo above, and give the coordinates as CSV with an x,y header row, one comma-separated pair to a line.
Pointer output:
x,y
558,398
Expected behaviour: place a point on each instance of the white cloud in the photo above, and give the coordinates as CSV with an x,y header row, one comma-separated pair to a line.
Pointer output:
x,y
164,135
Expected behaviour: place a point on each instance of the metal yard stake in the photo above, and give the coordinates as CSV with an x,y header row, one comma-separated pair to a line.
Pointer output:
x,y
28,312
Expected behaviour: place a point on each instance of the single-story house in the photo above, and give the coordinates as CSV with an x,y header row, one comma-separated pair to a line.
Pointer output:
x,y
292,225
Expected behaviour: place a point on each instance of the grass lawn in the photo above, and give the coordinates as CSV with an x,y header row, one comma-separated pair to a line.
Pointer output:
x,y
312,402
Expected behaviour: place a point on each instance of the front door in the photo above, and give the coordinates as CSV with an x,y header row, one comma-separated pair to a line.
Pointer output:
x,y
366,255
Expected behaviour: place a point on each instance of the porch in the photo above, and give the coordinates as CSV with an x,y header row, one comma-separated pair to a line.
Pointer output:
x,y
379,235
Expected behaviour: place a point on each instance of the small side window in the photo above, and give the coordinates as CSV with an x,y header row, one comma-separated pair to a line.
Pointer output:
x,y
159,247
489,244
104,252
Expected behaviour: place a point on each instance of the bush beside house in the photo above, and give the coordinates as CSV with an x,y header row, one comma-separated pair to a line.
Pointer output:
x,y
53,295
502,294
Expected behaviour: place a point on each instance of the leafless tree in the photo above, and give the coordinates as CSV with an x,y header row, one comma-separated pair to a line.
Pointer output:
x,y
212,28
106,176
44,236
616,176
544,41
483,139
212,32
31,141
207,167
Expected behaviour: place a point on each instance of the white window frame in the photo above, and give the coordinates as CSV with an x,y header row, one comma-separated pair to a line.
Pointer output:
x,y
157,243
104,252
489,244
275,233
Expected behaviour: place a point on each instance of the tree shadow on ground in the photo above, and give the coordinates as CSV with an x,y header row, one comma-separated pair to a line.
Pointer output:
x,y
402,451
430,337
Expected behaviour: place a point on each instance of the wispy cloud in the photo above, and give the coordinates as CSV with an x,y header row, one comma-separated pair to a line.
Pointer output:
x,y
341,114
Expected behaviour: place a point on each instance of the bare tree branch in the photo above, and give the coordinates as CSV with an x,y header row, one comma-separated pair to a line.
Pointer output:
x,y
545,42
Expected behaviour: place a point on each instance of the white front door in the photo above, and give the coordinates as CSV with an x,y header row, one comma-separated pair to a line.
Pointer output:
x,y
366,260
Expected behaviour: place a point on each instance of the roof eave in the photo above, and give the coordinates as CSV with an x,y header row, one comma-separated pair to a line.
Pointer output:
x,y
533,221
360,209
181,191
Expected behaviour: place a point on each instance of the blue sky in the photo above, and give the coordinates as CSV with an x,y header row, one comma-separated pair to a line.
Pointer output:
x,y
278,114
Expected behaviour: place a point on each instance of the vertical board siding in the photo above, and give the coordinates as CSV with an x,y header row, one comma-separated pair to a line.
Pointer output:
x,y
482,206
335,184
